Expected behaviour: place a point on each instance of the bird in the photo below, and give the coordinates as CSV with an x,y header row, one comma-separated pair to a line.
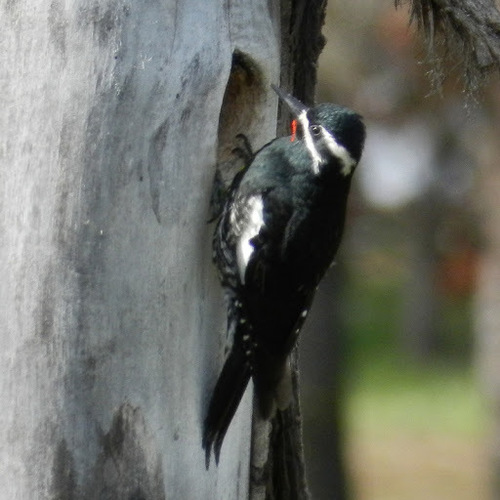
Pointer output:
x,y
278,233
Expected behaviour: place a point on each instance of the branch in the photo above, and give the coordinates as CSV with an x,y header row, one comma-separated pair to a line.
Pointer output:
x,y
467,31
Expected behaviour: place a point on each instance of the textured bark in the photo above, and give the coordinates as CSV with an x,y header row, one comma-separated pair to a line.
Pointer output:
x,y
112,323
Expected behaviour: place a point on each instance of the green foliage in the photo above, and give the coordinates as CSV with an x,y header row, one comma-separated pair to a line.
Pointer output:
x,y
372,322
388,395
388,390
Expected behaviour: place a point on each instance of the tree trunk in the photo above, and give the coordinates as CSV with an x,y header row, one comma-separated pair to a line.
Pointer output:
x,y
322,349
488,294
278,468
112,320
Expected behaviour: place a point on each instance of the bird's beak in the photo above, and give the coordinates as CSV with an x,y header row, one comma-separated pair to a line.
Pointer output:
x,y
296,107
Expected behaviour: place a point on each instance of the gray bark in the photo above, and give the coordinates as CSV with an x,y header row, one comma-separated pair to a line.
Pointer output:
x,y
110,312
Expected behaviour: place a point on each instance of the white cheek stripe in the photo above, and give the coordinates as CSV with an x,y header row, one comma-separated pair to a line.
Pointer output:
x,y
340,152
315,156
348,162
253,225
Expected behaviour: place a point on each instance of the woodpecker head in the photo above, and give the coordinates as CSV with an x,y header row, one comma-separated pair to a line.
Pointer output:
x,y
330,133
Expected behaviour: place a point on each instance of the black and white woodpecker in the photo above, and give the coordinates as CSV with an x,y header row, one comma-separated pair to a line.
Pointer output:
x,y
278,233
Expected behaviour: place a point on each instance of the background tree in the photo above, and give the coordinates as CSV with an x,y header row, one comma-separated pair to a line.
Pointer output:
x,y
469,32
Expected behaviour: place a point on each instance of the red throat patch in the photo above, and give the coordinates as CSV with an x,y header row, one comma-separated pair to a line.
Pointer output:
x,y
293,127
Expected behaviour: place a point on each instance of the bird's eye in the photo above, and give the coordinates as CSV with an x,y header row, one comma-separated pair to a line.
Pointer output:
x,y
315,130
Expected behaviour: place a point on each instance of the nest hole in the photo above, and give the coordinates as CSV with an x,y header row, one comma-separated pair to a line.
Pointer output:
x,y
239,114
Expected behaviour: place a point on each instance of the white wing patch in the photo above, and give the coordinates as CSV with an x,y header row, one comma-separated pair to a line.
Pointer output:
x,y
337,150
253,224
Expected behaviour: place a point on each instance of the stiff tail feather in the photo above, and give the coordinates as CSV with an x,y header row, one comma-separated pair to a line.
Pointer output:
x,y
226,397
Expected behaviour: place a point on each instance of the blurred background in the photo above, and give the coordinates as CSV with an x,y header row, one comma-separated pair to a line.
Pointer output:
x,y
405,416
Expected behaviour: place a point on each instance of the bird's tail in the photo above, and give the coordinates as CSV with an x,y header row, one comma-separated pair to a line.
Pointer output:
x,y
226,397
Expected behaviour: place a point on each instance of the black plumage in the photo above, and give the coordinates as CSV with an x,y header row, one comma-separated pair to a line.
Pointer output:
x,y
278,233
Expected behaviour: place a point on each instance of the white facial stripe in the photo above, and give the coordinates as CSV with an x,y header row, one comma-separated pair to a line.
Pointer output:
x,y
337,150
340,152
253,225
315,156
